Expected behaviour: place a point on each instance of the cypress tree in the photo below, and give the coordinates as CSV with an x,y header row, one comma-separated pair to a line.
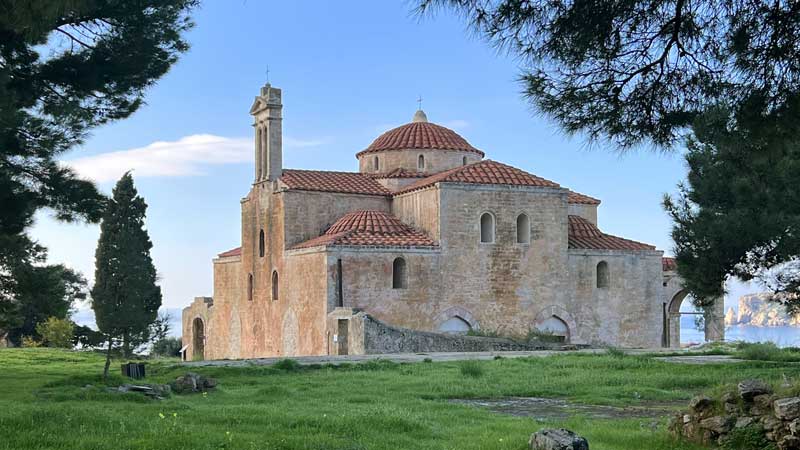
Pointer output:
x,y
125,297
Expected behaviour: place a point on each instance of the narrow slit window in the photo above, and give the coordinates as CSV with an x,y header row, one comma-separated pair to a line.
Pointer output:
x,y
523,229
274,285
487,228
603,277
399,274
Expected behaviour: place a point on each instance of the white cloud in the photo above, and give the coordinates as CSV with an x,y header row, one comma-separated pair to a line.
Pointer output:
x,y
188,156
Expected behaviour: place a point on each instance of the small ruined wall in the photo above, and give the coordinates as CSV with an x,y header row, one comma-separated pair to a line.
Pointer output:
x,y
753,406
380,338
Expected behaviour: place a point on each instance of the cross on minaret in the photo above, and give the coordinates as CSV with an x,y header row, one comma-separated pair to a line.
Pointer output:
x,y
267,73
419,102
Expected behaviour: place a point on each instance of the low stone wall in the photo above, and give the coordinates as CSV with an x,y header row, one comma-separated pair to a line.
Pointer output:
x,y
380,338
753,407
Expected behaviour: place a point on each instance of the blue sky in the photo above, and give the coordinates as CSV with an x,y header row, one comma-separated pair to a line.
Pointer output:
x,y
349,71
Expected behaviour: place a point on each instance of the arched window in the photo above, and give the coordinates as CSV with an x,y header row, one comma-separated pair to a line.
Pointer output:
x,y
399,274
274,284
487,228
523,229
375,165
603,278
261,243
250,287
421,163
464,161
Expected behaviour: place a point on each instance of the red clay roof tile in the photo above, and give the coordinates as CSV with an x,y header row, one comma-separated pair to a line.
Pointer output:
x,y
669,264
233,252
326,181
482,172
370,228
399,173
578,198
419,135
585,235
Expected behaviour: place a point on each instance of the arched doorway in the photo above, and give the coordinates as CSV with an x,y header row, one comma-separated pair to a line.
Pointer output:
x,y
455,325
713,320
555,327
198,340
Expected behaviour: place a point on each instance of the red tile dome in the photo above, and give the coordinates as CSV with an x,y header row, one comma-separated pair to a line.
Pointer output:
x,y
420,135
372,221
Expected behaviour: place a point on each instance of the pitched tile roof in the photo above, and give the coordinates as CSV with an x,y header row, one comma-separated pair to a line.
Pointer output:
x,y
578,198
669,264
370,228
419,135
482,172
399,173
584,234
325,181
233,252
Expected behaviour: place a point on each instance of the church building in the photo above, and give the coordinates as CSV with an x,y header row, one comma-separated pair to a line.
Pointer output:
x,y
428,235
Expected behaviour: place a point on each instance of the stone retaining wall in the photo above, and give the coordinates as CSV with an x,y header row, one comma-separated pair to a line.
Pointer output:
x,y
753,406
367,335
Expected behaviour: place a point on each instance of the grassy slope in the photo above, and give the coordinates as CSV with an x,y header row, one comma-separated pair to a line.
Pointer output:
x,y
44,405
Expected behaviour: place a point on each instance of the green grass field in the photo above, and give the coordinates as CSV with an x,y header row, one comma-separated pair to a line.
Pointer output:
x,y
44,403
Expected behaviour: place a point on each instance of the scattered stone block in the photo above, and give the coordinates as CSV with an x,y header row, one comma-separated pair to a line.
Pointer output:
x,y
156,391
748,389
193,382
557,439
794,427
744,422
789,443
787,408
717,424
700,404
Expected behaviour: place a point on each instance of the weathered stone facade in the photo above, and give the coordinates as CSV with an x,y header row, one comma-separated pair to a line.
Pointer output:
x,y
432,237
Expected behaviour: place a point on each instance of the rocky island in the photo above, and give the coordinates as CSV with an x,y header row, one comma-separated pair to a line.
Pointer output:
x,y
757,310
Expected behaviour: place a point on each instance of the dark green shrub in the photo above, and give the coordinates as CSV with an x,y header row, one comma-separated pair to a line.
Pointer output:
x,y
748,438
168,346
288,365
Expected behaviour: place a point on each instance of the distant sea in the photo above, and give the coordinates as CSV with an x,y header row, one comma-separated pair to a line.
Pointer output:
x,y
787,336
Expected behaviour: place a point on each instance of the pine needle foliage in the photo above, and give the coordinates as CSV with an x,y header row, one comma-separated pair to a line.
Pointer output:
x,y
125,296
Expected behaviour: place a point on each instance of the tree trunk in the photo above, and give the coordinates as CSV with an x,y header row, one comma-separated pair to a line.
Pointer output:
x,y
126,345
108,359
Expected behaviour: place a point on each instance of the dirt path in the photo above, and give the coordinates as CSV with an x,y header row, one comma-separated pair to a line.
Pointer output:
x,y
443,356
557,409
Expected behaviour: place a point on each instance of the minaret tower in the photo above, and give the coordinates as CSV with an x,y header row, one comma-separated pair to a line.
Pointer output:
x,y
266,112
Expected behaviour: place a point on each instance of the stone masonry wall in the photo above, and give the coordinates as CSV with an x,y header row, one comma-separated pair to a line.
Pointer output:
x,y
308,214
504,285
420,209
380,338
367,335
435,160
629,312
367,284
588,212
